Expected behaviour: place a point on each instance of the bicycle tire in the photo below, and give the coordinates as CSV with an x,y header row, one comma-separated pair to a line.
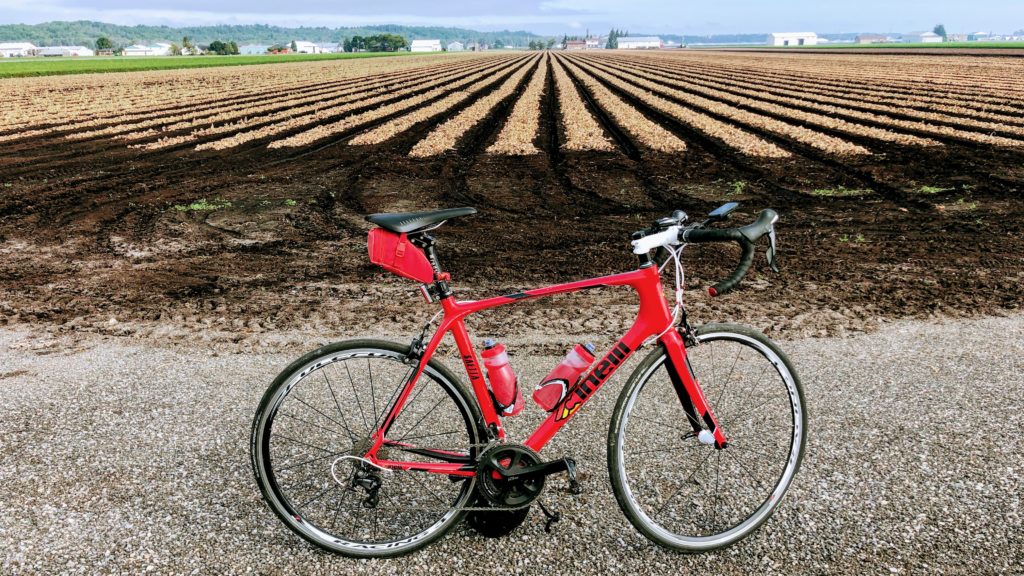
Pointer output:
x,y
277,500
639,514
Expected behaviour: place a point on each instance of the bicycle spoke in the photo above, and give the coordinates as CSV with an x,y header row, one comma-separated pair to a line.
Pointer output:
x,y
745,470
292,466
313,408
340,412
418,422
728,378
753,384
427,488
681,496
303,443
379,419
334,486
316,420
334,520
646,419
358,403
373,393
308,423
695,444
687,480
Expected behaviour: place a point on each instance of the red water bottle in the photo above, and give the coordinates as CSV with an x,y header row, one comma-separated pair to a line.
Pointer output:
x,y
553,388
508,399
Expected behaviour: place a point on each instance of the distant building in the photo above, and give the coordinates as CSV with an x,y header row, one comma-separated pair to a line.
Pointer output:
x,y
253,49
576,45
158,49
17,49
639,43
329,47
792,39
456,46
979,36
957,38
595,43
871,39
303,47
65,51
425,46
921,38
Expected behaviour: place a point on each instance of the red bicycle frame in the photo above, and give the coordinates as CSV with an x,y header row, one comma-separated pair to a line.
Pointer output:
x,y
652,320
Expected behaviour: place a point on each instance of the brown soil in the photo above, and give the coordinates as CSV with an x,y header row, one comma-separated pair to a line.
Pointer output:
x,y
98,237
1003,52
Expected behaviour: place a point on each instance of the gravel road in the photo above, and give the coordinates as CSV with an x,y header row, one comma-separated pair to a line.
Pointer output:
x,y
122,456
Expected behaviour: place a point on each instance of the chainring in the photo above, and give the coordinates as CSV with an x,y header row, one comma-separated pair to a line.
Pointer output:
x,y
501,492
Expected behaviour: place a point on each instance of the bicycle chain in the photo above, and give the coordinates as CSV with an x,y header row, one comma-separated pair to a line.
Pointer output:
x,y
483,446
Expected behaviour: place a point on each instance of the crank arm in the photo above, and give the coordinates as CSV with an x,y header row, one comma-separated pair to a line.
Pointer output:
x,y
542,469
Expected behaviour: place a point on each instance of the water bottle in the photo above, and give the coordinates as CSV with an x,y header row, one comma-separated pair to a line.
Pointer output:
x,y
508,399
553,388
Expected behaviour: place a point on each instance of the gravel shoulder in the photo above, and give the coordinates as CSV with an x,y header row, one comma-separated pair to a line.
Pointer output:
x,y
123,456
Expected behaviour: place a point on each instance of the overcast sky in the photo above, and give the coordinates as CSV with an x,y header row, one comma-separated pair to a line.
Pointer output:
x,y
549,16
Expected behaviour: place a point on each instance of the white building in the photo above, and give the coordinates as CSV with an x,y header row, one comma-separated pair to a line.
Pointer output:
x,y
158,49
456,46
425,46
65,51
330,47
793,39
17,49
639,43
922,37
595,43
303,47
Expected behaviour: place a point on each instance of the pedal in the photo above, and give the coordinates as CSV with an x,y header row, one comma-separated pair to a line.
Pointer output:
x,y
570,469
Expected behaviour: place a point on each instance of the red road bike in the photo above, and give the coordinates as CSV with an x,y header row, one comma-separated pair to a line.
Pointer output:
x,y
372,448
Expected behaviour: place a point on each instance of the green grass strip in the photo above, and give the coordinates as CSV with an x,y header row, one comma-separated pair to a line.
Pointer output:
x,y
22,67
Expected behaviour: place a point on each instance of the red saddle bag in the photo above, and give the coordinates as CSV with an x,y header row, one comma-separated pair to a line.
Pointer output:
x,y
396,254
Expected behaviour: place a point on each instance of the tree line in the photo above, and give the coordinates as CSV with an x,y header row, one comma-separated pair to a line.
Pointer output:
x,y
85,33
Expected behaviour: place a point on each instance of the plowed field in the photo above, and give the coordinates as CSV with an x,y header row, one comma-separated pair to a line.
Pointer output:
x,y
230,201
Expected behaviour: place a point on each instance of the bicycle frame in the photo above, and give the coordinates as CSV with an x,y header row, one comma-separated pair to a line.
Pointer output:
x,y
652,319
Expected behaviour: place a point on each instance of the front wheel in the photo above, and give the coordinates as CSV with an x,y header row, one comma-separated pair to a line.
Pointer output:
x,y
316,422
690,496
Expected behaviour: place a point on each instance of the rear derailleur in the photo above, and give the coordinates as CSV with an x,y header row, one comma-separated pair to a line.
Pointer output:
x,y
369,481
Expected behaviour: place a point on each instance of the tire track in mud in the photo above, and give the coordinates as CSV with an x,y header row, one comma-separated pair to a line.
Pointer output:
x,y
812,104
158,176
724,154
112,144
396,149
242,98
652,188
836,164
558,160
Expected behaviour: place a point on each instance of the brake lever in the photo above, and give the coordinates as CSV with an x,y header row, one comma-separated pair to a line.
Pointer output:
x,y
773,262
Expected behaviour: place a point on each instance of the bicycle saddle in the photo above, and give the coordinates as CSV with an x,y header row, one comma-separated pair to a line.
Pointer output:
x,y
402,222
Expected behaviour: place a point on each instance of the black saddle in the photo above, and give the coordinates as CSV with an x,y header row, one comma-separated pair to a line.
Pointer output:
x,y
402,222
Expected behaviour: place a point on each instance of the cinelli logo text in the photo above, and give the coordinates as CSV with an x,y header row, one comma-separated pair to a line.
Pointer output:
x,y
593,381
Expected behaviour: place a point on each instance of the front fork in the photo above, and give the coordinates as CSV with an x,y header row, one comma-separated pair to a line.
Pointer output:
x,y
690,394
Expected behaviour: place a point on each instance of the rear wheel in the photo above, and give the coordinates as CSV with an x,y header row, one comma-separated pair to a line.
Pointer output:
x,y
314,425
690,496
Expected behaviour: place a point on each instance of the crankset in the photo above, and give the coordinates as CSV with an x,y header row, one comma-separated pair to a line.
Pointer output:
x,y
507,476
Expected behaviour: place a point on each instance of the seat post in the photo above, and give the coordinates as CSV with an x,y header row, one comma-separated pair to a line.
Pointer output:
x,y
428,243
